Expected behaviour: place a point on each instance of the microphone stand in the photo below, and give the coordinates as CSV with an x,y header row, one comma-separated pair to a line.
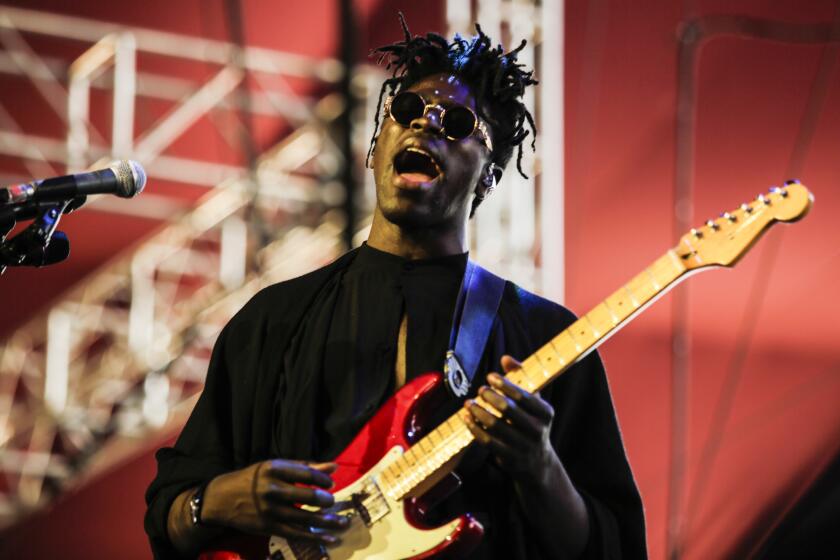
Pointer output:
x,y
29,247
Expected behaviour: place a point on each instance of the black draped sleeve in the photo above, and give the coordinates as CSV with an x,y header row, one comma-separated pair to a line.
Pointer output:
x,y
202,451
585,432
234,422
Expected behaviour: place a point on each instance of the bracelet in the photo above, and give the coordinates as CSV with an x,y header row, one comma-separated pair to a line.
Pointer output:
x,y
196,502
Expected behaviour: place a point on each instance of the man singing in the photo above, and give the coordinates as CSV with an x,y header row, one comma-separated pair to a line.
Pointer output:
x,y
306,363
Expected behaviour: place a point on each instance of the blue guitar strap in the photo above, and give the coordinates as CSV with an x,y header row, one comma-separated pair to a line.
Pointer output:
x,y
475,311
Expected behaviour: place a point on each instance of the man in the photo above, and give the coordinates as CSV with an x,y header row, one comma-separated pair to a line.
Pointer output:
x,y
301,368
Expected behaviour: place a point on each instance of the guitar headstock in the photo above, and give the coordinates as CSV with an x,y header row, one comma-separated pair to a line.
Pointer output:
x,y
723,241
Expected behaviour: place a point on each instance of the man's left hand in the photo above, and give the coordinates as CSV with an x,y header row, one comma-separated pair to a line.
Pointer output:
x,y
514,424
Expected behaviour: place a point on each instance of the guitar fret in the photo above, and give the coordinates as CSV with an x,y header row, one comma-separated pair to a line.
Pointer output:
x,y
675,260
411,456
633,299
595,331
613,316
525,380
653,280
543,369
530,364
579,333
550,360
563,361
386,480
531,374
426,445
568,342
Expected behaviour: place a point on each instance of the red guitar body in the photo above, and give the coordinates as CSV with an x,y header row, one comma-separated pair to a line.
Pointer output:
x,y
395,427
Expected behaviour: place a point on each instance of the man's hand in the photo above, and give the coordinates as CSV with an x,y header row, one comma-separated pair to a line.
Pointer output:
x,y
515,426
265,498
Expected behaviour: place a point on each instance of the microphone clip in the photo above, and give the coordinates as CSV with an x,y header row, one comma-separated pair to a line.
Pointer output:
x,y
32,246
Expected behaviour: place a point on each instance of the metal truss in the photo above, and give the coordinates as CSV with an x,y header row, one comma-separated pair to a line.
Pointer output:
x,y
127,348
109,64
518,231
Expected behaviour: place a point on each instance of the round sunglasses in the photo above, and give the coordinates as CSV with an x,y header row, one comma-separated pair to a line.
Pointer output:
x,y
457,121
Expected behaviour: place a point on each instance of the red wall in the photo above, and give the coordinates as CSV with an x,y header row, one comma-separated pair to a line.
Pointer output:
x,y
781,422
750,98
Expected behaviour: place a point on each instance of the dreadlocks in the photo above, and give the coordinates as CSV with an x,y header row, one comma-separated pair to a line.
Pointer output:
x,y
497,81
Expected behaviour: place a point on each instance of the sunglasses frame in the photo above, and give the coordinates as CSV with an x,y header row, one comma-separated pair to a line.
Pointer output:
x,y
477,125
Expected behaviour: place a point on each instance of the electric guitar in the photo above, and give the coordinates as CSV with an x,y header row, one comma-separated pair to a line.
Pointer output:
x,y
392,465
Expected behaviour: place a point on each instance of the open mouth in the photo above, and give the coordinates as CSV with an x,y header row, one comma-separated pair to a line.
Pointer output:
x,y
416,166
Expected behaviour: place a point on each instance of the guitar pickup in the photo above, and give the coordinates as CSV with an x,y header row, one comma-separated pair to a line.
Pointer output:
x,y
370,503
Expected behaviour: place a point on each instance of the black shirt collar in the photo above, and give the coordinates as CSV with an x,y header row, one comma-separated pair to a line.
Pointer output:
x,y
369,257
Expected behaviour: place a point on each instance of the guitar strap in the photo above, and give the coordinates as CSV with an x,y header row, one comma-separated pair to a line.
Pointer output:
x,y
475,310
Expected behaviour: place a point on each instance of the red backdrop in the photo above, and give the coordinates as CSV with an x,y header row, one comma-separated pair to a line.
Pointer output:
x,y
764,375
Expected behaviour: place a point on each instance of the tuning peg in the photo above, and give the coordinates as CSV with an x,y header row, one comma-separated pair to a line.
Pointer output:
x,y
731,217
696,233
746,208
779,191
712,225
763,199
792,182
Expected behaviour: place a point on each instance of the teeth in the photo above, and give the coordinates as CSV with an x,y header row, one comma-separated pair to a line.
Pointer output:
x,y
428,155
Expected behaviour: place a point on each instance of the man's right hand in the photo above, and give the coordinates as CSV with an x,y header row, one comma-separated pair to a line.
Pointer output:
x,y
265,499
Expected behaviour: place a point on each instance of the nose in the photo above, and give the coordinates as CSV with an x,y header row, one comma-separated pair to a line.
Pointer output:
x,y
430,122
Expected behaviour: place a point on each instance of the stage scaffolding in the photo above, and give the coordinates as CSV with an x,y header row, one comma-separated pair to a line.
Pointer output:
x,y
519,230
123,355
85,383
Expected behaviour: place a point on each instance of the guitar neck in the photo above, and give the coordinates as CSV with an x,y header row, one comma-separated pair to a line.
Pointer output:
x,y
604,320
433,456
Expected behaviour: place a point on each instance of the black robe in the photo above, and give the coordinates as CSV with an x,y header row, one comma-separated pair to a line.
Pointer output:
x,y
268,379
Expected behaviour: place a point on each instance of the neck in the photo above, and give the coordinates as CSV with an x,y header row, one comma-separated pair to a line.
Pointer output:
x,y
416,243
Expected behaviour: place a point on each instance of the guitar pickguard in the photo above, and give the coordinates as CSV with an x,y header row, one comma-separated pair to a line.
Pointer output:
x,y
379,528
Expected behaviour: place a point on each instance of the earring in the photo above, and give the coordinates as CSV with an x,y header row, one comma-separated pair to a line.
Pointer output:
x,y
489,183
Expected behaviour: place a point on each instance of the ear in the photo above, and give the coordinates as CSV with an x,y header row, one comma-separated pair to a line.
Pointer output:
x,y
489,180
497,172
486,185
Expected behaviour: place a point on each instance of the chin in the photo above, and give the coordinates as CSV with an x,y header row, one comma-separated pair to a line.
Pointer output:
x,y
409,216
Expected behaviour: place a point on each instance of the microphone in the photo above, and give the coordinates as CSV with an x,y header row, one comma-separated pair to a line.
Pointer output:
x,y
124,178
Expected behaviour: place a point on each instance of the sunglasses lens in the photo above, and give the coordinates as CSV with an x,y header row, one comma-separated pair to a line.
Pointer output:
x,y
458,122
407,106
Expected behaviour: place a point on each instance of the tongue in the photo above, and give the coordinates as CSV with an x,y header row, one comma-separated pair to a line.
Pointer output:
x,y
416,177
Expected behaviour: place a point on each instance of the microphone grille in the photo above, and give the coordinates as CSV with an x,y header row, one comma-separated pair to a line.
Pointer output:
x,y
131,178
